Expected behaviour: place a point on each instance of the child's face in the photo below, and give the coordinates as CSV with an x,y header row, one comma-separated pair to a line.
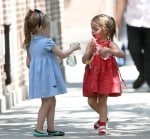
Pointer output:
x,y
97,31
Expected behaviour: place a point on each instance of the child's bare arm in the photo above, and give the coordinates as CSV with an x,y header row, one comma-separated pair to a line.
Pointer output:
x,y
116,51
88,53
113,49
65,53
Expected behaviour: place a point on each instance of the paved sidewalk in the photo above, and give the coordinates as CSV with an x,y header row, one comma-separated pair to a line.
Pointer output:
x,y
128,114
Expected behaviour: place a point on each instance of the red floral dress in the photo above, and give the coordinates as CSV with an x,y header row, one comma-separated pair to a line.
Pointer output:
x,y
102,75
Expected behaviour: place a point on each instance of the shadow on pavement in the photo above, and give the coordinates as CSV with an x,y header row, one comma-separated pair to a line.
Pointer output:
x,y
128,116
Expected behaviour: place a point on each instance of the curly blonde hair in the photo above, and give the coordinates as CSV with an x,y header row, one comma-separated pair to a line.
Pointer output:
x,y
33,20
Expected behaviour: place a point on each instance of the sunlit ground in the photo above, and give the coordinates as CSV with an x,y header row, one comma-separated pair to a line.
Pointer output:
x,y
128,116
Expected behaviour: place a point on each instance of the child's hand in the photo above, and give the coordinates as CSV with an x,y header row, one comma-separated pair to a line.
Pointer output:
x,y
104,52
75,46
92,47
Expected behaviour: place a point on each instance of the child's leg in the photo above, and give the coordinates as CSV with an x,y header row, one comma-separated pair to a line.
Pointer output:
x,y
102,108
50,120
103,112
93,102
50,115
43,111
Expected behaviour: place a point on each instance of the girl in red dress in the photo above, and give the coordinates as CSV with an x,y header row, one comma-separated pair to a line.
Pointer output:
x,y
101,77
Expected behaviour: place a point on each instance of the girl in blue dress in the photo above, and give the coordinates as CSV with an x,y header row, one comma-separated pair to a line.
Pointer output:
x,y
45,77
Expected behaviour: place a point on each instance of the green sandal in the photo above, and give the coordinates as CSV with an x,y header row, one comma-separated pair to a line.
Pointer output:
x,y
40,134
55,133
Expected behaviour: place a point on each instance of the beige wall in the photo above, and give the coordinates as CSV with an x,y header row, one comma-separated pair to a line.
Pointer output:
x,y
80,12
78,15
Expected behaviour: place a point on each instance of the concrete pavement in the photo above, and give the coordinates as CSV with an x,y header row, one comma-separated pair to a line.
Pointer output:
x,y
128,114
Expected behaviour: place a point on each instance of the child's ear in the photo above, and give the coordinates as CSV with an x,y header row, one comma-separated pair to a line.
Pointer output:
x,y
42,26
106,31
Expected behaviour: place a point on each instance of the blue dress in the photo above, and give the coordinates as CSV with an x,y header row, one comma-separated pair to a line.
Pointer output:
x,y
45,77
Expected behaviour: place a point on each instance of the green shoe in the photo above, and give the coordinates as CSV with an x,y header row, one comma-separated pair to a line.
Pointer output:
x,y
55,133
40,134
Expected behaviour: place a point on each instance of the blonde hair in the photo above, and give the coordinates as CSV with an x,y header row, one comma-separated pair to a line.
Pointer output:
x,y
33,20
107,23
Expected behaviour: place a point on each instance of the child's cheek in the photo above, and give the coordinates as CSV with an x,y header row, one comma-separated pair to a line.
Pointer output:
x,y
98,37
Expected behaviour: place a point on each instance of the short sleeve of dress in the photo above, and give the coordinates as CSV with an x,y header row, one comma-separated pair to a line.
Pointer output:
x,y
49,44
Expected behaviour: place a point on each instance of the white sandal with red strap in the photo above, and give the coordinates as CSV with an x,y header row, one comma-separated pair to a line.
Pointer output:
x,y
96,124
102,130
